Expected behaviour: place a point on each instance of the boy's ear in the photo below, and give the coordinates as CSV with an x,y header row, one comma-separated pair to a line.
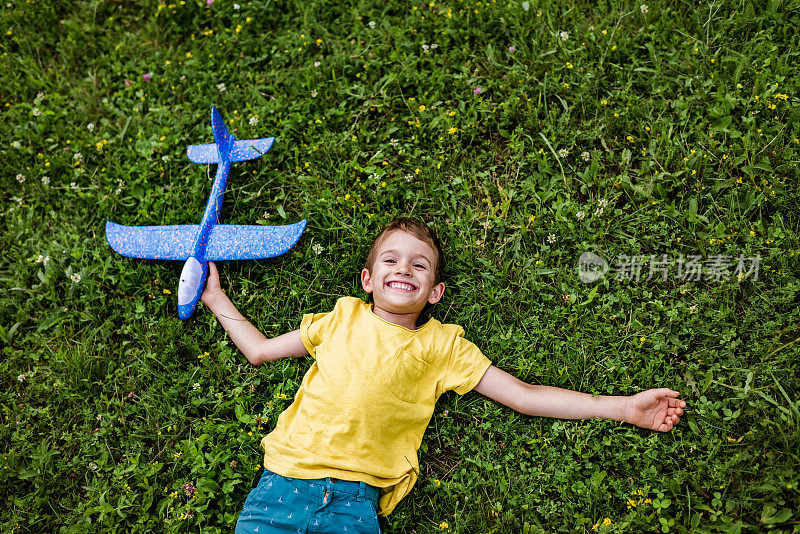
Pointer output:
x,y
366,280
436,293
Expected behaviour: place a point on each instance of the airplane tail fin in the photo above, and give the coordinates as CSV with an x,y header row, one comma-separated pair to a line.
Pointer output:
x,y
226,146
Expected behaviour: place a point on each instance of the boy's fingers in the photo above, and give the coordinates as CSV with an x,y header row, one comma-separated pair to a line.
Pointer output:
x,y
676,403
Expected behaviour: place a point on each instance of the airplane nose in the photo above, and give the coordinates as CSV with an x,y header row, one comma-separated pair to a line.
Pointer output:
x,y
185,311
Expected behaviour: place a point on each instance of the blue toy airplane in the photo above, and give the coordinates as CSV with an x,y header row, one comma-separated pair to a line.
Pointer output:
x,y
208,241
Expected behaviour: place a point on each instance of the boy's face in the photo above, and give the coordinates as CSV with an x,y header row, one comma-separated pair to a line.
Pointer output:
x,y
402,278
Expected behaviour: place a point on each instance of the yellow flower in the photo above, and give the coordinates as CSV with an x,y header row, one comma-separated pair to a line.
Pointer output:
x,y
452,130
422,108
443,525
606,521
569,65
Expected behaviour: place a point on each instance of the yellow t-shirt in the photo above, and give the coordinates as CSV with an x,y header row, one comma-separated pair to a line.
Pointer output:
x,y
364,404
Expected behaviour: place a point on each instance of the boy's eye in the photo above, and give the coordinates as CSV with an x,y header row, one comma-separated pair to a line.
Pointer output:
x,y
389,261
419,266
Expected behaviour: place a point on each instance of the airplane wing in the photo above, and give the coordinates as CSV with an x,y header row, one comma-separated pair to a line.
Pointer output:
x,y
241,151
203,153
250,149
250,242
152,242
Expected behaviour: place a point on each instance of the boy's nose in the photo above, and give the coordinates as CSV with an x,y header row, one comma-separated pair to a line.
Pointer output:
x,y
402,268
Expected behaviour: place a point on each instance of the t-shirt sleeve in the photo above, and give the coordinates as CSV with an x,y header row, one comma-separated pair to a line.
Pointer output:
x,y
315,327
466,366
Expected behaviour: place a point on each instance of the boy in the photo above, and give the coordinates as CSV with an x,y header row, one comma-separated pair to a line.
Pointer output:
x,y
347,446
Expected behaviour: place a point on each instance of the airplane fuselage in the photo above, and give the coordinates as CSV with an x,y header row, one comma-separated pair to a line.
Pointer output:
x,y
193,275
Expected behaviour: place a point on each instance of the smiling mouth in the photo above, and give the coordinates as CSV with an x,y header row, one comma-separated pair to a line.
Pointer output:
x,y
402,286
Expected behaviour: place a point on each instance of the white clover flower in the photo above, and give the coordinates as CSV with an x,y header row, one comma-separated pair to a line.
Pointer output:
x,y
75,278
317,64
598,212
93,466
586,156
372,24
253,121
394,142
563,152
73,185
425,48
46,261
693,308
16,144
21,378
551,238
644,8
78,156
434,46
165,158
602,203
221,87
90,126
236,6
46,180
99,417
36,112
314,93
564,36
21,178
580,215
317,248
196,386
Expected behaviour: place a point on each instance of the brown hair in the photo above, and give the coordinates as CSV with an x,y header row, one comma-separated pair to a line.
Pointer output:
x,y
418,229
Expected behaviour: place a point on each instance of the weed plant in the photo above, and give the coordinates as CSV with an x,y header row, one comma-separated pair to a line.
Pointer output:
x,y
526,132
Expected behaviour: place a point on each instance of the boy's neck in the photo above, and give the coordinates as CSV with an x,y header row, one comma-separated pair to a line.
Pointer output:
x,y
406,320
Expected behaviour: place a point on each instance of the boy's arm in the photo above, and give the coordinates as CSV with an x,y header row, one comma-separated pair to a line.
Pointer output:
x,y
256,347
654,409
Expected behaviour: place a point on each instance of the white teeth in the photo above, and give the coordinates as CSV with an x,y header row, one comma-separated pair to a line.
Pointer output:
x,y
401,285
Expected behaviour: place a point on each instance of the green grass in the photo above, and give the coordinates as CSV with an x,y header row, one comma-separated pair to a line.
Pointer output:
x,y
689,118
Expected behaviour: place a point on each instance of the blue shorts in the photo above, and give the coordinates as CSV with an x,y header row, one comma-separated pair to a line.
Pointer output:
x,y
294,505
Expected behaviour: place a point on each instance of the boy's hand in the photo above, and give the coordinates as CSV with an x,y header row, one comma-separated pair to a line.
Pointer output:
x,y
654,409
212,288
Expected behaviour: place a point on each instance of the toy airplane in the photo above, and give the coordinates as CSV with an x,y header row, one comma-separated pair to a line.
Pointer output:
x,y
208,241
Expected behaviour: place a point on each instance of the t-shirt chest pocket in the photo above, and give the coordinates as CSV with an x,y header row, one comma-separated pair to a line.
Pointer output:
x,y
407,376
